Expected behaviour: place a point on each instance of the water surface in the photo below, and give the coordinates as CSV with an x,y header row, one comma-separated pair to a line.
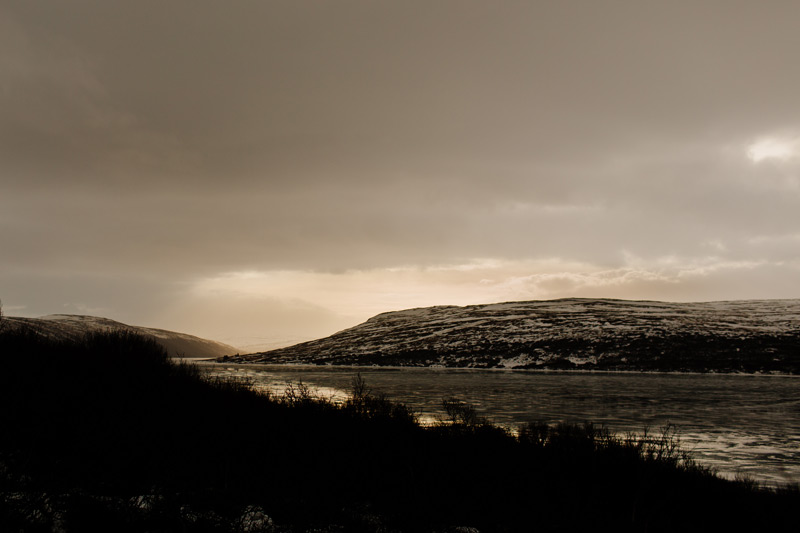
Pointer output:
x,y
739,424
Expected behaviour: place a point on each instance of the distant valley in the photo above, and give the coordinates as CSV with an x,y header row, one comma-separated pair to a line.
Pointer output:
x,y
71,327
568,334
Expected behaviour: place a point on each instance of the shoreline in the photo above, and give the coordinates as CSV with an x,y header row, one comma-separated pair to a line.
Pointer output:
x,y
476,369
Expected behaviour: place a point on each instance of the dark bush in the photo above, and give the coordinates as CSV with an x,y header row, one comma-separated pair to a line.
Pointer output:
x,y
108,434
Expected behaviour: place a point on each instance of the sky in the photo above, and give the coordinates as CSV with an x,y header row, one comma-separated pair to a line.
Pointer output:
x,y
266,172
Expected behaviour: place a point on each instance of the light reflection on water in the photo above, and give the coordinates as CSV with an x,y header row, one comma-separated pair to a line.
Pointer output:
x,y
739,424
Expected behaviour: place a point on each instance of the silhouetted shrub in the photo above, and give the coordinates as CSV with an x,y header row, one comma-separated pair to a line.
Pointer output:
x,y
108,434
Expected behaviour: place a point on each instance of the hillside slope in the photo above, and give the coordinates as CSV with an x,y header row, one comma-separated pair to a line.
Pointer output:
x,y
588,334
72,327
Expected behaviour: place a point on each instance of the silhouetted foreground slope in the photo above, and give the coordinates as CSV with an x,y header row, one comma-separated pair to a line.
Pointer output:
x,y
573,333
106,434
74,327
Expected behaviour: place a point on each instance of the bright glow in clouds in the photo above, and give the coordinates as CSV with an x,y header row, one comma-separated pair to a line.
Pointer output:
x,y
779,148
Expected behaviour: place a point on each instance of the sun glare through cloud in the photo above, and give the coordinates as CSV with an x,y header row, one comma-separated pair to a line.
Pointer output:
x,y
781,148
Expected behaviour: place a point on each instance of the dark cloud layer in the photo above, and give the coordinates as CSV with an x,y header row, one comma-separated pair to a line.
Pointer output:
x,y
150,146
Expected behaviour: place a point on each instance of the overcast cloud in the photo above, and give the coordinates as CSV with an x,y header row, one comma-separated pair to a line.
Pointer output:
x,y
265,172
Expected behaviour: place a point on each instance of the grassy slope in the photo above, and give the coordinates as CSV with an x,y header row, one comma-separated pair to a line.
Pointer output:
x,y
108,434
74,327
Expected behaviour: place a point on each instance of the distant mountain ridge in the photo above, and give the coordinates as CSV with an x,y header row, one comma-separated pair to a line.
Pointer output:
x,y
72,327
573,333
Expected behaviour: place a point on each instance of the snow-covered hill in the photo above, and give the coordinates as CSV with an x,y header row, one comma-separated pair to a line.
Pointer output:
x,y
734,336
75,326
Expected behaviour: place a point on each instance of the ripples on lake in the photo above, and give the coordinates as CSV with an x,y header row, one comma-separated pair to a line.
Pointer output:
x,y
739,424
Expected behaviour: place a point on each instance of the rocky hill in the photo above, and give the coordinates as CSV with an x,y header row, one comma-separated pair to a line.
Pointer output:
x,y
586,334
71,327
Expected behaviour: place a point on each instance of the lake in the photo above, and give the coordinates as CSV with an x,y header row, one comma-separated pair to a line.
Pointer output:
x,y
738,424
